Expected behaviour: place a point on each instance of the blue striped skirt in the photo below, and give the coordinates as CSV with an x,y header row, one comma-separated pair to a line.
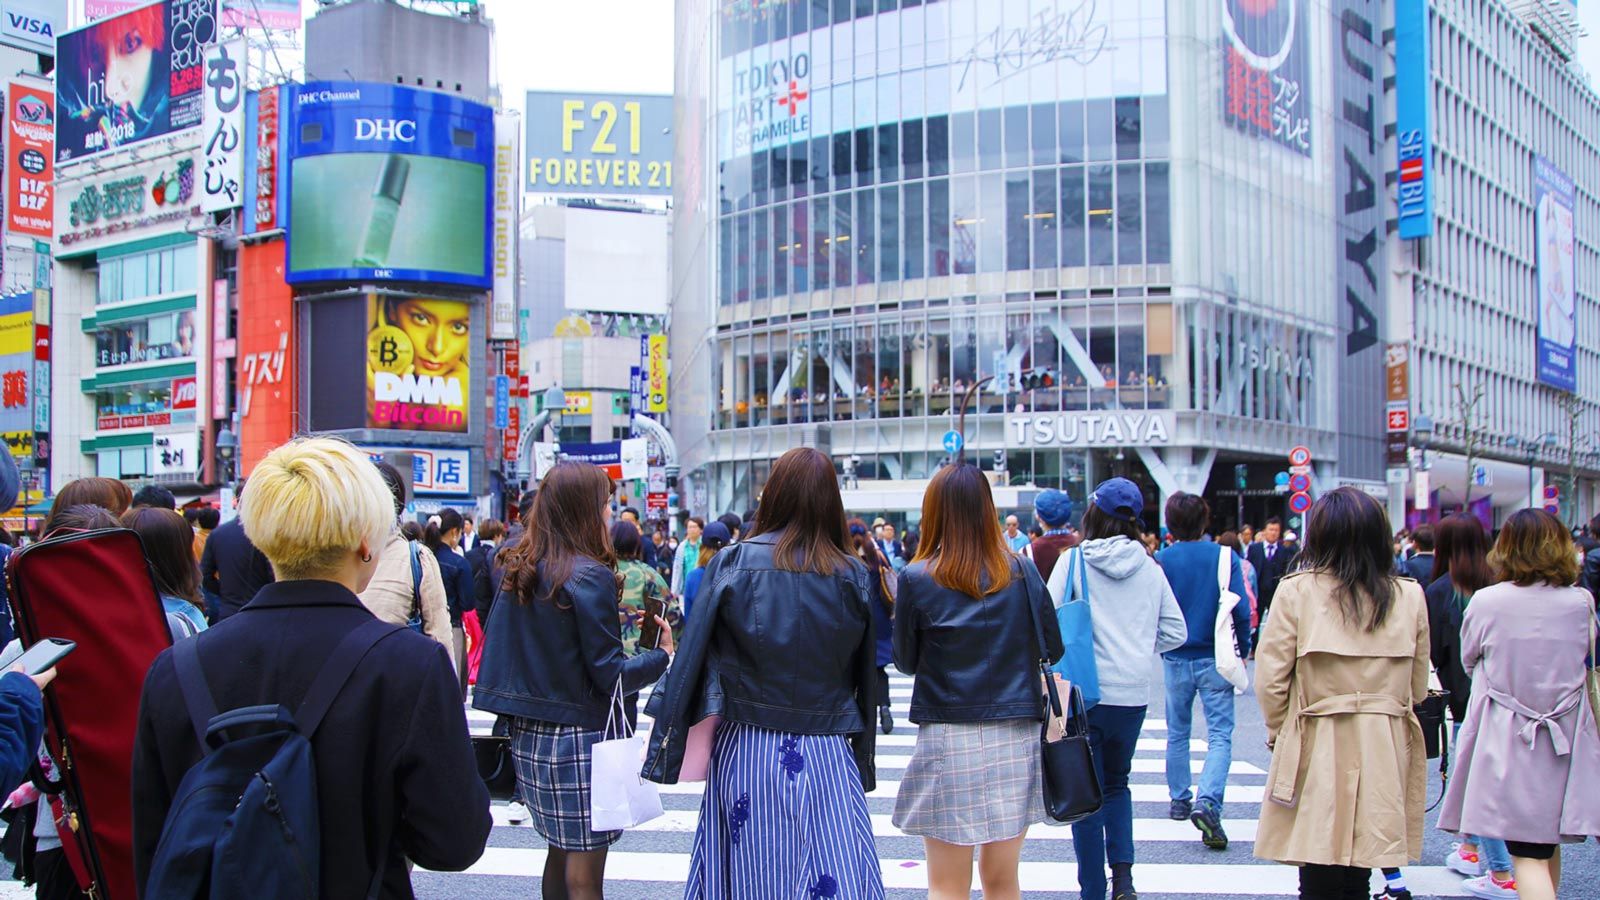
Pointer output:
x,y
783,818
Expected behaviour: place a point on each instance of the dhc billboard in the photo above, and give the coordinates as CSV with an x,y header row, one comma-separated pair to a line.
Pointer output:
x,y
386,183
1413,61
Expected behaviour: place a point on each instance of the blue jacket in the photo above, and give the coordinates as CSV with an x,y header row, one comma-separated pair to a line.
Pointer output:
x,y
1191,569
458,587
21,726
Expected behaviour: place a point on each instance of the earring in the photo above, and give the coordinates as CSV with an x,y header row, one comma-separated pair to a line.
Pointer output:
x,y
366,558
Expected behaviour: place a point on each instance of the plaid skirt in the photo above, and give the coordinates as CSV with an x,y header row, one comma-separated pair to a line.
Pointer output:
x,y
972,782
553,763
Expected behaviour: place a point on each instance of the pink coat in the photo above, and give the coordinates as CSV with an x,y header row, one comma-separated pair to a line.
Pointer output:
x,y
1528,759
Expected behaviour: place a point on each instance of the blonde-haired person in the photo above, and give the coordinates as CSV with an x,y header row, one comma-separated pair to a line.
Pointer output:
x,y
1528,757
396,779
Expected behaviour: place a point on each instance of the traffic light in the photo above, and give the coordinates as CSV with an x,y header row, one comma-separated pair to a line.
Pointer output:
x,y
1034,379
1241,476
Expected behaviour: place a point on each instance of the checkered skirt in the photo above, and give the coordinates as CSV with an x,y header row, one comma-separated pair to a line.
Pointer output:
x,y
972,782
553,763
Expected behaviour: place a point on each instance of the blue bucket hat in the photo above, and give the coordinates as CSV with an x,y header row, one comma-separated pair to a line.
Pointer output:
x,y
715,535
1053,507
1119,498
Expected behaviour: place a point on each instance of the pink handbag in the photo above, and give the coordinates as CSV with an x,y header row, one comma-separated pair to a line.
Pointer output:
x,y
697,750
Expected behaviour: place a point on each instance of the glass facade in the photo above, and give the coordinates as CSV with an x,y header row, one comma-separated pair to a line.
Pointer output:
x,y
138,276
164,336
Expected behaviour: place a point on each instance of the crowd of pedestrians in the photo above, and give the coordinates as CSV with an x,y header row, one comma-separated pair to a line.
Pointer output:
x,y
315,601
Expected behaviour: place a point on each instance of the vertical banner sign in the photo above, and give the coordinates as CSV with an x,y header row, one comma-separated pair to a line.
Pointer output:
x,y
222,128
1397,375
636,389
502,402
1413,84
1553,233
1356,48
267,159
1267,70
507,213
41,354
657,374
222,349
30,121
513,433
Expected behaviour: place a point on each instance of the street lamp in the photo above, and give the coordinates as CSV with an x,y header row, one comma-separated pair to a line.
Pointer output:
x,y
1422,435
227,449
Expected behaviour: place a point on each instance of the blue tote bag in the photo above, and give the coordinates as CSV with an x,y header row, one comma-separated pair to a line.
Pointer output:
x,y
1077,664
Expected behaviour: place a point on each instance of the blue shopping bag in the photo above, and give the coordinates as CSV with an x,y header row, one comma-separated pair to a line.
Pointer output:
x,y
1077,664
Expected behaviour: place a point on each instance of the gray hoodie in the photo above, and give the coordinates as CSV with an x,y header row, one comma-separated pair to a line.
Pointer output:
x,y
1135,615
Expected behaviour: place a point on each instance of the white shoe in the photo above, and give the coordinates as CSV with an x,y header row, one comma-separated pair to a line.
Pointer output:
x,y
1462,865
516,814
1485,886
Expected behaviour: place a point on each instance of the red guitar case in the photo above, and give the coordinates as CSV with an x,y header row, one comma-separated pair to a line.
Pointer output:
x,y
95,588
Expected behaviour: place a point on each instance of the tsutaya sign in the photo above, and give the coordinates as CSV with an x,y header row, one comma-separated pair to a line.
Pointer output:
x,y
1093,429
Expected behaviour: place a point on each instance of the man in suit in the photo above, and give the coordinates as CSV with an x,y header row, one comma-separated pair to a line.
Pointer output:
x,y
893,550
1272,560
1420,566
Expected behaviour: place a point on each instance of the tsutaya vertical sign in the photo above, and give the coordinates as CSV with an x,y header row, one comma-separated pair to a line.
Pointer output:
x,y
1357,53
507,215
1413,84
222,127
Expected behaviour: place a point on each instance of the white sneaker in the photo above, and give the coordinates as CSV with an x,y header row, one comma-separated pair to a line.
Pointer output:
x,y
516,814
1470,866
1485,886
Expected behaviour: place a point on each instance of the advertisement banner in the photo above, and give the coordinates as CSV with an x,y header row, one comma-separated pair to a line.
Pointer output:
x,y
419,371
222,131
1413,83
622,460
132,77
580,403
656,375
593,144
433,471
1266,70
112,206
387,183
16,368
176,454
507,217
1553,234
32,25
267,159
30,158
279,15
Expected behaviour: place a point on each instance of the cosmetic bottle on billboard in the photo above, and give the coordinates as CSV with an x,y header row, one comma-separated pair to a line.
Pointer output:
x,y
386,199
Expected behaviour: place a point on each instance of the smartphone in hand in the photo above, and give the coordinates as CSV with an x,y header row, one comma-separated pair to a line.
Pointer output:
x,y
41,656
649,631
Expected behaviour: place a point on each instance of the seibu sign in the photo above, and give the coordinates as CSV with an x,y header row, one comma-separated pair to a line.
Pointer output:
x,y
1093,429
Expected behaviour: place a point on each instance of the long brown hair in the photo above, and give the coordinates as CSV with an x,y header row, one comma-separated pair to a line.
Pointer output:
x,y
1461,551
961,537
567,522
1347,538
107,493
169,546
801,500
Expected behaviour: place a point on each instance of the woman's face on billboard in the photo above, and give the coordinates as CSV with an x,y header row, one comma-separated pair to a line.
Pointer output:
x,y
128,69
440,333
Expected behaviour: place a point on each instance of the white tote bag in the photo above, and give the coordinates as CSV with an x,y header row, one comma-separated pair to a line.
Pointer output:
x,y
618,797
1229,665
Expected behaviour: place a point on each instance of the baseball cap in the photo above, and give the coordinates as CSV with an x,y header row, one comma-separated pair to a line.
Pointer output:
x,y
715,535
1119,498
1053,507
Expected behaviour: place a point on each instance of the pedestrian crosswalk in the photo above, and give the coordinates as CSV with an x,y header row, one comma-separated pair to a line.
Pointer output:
x,y
652,861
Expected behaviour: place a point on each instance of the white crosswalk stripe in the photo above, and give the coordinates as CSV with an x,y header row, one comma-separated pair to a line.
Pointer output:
x,y
652,861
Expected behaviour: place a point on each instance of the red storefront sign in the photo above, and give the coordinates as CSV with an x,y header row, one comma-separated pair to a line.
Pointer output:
x,y
30,160
185,393
143,420
267,160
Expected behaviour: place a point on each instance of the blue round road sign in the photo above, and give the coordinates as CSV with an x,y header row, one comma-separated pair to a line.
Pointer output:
x,y
1299,503
953,442
1281,479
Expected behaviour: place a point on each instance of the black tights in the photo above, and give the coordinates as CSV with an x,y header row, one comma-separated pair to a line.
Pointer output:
x,y
1334,883
574,874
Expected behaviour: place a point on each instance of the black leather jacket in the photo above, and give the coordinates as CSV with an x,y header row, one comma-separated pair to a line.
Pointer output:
x,y
559,660
975,659
786,651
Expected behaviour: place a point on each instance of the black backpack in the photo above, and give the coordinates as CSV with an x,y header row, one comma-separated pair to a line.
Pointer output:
x,y
245,820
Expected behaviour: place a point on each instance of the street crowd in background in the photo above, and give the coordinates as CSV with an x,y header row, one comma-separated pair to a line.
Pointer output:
x,y
764,641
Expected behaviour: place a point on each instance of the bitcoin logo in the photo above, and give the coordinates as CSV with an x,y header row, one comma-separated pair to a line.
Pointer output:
x,y
389,350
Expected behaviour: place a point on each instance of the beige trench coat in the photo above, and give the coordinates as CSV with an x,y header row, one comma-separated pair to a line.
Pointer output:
x,y
1348,783
390,597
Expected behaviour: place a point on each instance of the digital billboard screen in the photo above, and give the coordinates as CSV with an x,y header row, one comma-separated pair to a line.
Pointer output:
x,y
386,183
419,364
132,77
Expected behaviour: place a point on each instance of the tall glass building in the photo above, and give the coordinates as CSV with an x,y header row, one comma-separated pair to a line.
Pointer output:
x,y
1167,219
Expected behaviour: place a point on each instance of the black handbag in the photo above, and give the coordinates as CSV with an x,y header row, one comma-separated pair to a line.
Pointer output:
x,y
1430,714
493,755
1071,785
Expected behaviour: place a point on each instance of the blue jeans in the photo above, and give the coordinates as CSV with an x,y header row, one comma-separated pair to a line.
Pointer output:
x,y
1185,679
1492,852
1113,736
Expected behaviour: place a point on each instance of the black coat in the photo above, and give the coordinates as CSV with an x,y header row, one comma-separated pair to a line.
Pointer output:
x,y
1445,615
785,651
232,568
559,660
481,559
976,659
1270,572
458,588
396,776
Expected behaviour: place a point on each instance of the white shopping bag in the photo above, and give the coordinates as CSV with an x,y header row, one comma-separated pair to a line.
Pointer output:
x,y
618,797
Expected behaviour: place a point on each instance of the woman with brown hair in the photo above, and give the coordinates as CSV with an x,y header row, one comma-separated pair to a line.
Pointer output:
x,y
1343,660
780,648
1529,756
107,493
553,659
968,626
879,573
169,546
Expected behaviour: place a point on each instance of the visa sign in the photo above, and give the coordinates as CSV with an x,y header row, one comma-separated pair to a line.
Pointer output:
x,y
32,24
1414,118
